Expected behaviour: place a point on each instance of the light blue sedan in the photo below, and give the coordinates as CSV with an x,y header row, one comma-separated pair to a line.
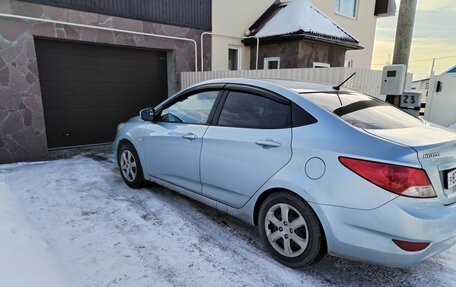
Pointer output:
x,y
319,170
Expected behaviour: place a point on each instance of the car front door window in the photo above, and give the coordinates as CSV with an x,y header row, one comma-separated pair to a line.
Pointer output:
x,y
194,109
173,141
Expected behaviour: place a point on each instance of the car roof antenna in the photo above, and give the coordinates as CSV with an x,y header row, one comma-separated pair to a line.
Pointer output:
x,y
337,88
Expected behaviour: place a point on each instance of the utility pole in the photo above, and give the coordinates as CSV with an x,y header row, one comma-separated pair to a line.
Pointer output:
x,y
432,68
404,35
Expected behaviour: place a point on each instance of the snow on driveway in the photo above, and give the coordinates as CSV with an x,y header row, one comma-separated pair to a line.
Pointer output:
x,y
25,259
103,233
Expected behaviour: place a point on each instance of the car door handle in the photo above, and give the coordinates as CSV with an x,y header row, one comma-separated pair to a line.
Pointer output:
x,y
268,143
190,136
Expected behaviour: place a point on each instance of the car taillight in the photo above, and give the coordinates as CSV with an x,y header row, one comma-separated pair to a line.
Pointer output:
x,y
402,180
411,246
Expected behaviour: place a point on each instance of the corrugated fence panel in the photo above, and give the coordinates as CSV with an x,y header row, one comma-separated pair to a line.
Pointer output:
x,y
366,81
186,13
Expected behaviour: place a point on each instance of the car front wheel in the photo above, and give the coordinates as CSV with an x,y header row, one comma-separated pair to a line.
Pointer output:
x,y
290,230
130,166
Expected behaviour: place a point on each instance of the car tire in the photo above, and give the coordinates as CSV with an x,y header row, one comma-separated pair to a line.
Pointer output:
x,y
290,230
130,166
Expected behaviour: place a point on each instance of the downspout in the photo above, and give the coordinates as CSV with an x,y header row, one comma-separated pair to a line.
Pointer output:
x,y
106,29
211,33
257,50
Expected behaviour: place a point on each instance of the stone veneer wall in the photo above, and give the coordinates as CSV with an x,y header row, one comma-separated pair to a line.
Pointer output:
x,y
299,54
22,127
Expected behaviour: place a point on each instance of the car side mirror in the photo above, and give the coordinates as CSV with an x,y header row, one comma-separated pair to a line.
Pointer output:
x,y
147,114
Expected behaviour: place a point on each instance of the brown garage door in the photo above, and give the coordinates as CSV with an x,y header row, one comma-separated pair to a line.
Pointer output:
x,y
89,89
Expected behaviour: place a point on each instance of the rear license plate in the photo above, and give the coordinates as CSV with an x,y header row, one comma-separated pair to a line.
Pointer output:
x,y
450,179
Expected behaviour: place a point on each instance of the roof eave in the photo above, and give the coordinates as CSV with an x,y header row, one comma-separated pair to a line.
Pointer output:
x,y
293,37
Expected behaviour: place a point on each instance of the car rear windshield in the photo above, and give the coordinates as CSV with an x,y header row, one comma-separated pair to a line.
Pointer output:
x,y
363,111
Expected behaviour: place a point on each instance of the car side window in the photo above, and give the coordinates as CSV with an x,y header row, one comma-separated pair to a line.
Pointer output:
x,y
194,109
246,110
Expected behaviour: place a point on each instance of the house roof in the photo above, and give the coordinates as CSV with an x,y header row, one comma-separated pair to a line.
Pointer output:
x,y
300,19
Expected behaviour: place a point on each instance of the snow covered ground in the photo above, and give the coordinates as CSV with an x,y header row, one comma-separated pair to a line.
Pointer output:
x,y
24,257
102,233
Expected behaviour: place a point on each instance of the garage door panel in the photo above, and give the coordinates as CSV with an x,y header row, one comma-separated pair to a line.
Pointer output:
x,y
101,75
82,132
74,140
99,88
74,116
80,101
90,128
89,89
87,105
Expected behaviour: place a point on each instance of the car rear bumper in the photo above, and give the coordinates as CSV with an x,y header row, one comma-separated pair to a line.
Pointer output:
x,y
367,235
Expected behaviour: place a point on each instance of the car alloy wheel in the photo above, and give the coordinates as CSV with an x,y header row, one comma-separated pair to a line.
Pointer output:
x,y
290,230
128,165
286,230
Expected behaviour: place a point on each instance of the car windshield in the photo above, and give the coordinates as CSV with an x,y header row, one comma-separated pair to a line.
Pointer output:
x,y
363,111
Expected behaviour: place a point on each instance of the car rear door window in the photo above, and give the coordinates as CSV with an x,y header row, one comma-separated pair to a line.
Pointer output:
x,y
363,111
194,109
246,110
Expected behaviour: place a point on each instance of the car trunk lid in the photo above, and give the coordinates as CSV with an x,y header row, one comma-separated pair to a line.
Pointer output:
x,y
436,151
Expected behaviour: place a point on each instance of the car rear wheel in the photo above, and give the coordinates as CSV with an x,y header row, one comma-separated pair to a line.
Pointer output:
x,y
290,230
130,166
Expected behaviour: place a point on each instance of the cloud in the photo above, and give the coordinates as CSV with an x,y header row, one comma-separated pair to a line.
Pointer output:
x,y
433,5
436,5
423,50
433,38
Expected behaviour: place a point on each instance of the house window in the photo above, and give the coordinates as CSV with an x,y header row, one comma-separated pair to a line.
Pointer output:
x,y
321,65
347,7
272,63
234,58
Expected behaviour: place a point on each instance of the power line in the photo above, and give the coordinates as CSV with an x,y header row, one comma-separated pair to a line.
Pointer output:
x,y
422,60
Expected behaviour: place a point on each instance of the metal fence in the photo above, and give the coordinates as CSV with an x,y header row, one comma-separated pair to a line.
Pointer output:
x,y
366,81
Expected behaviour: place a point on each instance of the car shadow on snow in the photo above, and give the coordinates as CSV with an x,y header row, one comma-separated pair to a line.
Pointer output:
x,y
330,271
427,273
348,272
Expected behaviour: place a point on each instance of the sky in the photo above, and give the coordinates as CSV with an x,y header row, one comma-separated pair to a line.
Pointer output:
x,y
434,37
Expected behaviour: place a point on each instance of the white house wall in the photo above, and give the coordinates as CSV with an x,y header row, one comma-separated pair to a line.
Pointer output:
x,y
362,28
235,16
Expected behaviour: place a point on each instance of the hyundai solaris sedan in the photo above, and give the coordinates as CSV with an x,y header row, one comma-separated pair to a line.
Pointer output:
x,y
317,168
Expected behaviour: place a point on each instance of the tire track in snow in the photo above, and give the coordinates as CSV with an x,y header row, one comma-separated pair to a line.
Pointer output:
x,y
106,234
